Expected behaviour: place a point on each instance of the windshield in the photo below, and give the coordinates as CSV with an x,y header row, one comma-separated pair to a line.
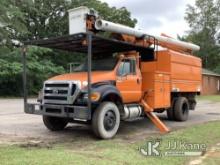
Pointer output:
x,y
99,63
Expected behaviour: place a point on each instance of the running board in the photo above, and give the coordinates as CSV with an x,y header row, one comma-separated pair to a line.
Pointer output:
x,y
157,122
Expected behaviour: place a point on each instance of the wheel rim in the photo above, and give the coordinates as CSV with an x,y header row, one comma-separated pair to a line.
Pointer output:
x,y
109,120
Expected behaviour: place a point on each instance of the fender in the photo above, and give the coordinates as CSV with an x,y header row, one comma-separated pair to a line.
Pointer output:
x,y
106,89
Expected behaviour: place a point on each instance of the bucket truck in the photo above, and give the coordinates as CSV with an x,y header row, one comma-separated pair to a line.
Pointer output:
x,y
124,77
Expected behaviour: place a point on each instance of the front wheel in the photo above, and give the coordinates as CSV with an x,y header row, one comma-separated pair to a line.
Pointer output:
x,y
106,120
54,123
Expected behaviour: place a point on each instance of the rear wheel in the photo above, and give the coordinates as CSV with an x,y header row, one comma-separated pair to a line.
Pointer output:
x,y
106,120
54,123
181,109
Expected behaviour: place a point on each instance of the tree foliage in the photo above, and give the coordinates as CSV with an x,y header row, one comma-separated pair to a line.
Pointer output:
x,y
33,19
12,23
204,21
38,68
45,18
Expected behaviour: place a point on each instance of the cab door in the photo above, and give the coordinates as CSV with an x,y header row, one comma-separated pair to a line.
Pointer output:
x,y
129,80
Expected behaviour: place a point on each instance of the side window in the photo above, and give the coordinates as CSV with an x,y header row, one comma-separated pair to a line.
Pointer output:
x,y
127,67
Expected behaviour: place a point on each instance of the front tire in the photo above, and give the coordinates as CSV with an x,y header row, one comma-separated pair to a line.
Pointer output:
x,y
54,123
106,120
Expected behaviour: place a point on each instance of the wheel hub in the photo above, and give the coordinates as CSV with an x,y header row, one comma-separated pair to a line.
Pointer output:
x,y
109,120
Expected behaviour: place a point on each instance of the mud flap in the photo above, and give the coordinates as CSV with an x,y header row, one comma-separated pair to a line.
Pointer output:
x,y
157,122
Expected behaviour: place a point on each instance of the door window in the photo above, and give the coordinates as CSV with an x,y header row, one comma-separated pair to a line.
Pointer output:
x,y
127,67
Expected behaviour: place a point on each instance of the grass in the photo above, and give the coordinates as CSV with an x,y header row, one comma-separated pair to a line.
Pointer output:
x,y
214,98
116,151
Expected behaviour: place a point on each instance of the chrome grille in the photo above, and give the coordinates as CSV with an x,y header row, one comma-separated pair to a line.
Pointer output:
x,y
57,92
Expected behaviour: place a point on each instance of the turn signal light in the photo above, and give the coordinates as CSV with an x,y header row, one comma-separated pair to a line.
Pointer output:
x,y
95,96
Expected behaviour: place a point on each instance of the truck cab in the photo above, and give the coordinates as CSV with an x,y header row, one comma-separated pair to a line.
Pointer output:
x,y
120,71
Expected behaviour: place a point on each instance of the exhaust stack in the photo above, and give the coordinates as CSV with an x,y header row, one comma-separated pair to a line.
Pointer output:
x,y
163,41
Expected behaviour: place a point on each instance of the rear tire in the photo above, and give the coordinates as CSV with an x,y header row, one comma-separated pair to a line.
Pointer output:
x,y
54,123
106,120
181,109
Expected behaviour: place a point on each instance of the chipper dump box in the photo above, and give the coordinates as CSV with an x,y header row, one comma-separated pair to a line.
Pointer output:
x,y
124,77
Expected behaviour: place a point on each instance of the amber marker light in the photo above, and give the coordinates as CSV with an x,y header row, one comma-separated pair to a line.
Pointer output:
x,y
95,96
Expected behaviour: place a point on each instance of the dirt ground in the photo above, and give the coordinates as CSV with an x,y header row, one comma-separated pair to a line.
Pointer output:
x,y
16,126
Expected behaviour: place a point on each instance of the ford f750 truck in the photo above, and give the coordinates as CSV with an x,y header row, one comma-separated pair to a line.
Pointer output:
x,y
128,75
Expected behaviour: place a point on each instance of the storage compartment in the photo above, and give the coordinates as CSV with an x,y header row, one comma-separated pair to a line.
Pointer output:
x,y
157,89
171,72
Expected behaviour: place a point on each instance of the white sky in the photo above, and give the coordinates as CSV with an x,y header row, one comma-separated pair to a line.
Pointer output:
x,y
157,16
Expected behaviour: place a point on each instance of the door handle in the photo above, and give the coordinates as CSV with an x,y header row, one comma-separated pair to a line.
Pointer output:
x,y
138,81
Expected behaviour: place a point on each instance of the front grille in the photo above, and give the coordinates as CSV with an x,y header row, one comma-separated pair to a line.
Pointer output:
x,y
73,89
53,110
59,92
55,98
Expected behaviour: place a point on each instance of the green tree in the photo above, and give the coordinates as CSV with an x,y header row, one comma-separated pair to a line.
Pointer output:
x,y
12,23
27,20
38,68
45,18
204,21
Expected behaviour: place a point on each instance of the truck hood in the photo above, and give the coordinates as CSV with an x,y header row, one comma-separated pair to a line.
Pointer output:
x,y
82,76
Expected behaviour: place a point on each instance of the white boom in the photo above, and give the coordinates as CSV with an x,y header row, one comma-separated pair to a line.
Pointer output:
x,y
122,29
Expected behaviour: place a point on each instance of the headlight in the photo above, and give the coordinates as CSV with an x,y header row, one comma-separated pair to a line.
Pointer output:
x,y
95,96
84,84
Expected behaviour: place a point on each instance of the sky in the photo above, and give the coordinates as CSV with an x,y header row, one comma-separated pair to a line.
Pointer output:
x,y
157,16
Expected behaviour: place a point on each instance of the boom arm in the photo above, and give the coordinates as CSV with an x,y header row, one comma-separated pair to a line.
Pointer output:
x,y
163,41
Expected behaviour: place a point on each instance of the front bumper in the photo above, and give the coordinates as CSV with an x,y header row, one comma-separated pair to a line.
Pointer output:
x,y
64,111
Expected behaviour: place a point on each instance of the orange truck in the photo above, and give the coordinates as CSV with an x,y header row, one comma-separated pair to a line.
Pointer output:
x,y
126,76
